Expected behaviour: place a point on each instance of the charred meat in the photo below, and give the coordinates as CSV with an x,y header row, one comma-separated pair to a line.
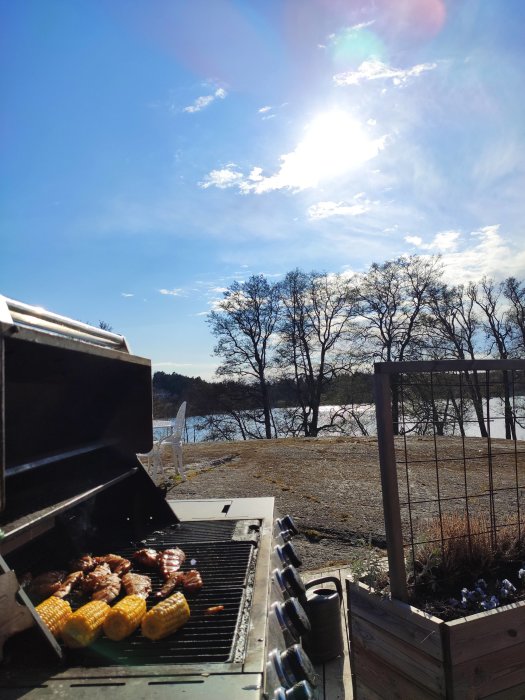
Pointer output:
x,y
68,584
94,579
45,584
118,565
192,581
108,588
169,561
146,557
137,584
85,563
172,582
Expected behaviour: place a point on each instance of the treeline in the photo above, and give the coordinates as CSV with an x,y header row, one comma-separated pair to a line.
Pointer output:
x,y
206,398
312,338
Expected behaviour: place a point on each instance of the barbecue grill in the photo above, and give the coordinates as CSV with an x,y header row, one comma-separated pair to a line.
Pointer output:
x,y
76,410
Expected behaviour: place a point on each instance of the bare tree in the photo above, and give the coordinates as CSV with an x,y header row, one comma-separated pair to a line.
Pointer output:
x,y
454,327
499,333
315,333
514,292
394,297
243,324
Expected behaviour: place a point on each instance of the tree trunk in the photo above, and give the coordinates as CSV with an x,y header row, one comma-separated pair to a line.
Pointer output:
x,y
477,400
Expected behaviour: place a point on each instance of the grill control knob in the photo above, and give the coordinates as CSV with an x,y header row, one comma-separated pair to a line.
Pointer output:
x,y
298,666
287,523
292,618
287,554
285,535
300,691
293,582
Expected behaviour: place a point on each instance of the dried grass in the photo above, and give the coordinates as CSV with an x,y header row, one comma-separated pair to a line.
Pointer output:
x,y
457,545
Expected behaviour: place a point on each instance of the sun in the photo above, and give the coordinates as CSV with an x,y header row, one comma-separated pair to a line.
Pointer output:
x,y
334,144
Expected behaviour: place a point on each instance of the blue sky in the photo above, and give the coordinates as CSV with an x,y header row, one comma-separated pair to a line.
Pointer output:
x,y
153,152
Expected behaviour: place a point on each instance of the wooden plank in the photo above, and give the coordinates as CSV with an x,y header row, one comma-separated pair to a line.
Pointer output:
x,y
399,619
488,674
389,487
408,658
375,678
516,693
486,632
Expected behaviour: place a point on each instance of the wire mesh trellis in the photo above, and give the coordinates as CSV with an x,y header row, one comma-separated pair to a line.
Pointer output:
x,y
452,457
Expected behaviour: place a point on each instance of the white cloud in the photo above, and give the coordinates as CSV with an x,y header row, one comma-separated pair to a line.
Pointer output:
x,y
126,294
333,144
377,70
171,292
324,210
490,254
205,100
264,109
223,178
444,241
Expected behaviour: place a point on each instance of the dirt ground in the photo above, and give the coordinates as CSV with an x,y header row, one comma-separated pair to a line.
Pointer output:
x,y
332,486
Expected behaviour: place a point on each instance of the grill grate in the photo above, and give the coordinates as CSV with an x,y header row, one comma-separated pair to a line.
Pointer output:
x,y
196,531
224,567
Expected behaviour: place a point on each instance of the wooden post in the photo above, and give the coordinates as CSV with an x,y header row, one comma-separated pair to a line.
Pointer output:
x,y
389,486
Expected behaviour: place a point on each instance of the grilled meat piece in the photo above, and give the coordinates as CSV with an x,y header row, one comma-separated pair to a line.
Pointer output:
x,y
146,557
68,583
170,560
192,581
137,584
93,580
85,563
172,582
116,563
45,584
108,588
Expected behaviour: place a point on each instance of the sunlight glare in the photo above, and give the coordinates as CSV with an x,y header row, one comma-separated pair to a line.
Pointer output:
x,y
335,143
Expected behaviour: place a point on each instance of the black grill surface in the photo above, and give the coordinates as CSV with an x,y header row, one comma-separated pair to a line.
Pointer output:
x,y
225,567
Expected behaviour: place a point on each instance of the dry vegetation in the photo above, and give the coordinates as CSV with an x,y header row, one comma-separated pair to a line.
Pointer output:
x,y
332,485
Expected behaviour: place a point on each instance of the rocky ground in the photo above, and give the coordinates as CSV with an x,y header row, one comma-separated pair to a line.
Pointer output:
x,y
332,486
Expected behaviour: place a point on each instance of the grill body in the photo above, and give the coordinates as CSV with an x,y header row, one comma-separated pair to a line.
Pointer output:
x,y
76,409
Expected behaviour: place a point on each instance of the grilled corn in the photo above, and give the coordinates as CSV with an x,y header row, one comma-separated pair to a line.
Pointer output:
x,y
54,613
124,617
85,624
166,617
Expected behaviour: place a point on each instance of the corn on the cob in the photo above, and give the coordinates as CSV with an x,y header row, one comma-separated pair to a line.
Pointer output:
x,y
166,617
85,624
54,613
124,617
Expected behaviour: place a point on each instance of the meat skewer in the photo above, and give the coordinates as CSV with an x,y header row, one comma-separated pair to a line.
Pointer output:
x,y
137,584
170,560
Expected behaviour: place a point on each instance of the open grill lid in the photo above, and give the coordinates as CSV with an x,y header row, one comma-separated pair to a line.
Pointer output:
x,y
75,410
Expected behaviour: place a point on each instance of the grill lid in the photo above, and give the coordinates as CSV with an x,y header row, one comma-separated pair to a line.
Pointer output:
x,y
75,408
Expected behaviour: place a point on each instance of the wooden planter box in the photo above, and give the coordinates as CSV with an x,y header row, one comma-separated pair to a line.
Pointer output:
x,y
397,651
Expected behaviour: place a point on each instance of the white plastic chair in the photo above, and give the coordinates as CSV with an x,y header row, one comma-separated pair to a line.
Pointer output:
x,y
175,440
153,461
